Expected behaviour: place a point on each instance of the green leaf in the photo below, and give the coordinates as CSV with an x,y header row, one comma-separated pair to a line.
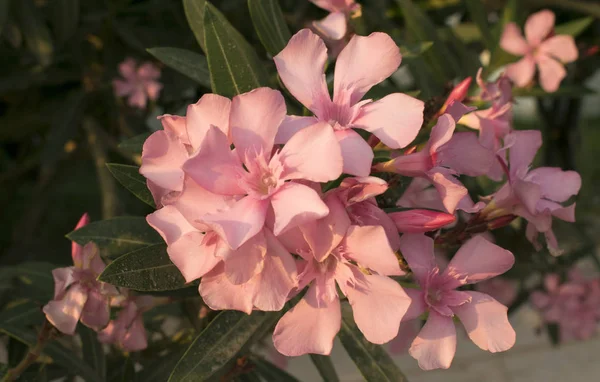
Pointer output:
x,y
4,7
35,32
270,372
218,344
188,63
131,179
234,66
478,14
574,28
565,90
325,367
21,313
160,369
147,269
35,280
65,18
124,372
93,353
194,12
134,144
372,360
414,50
117,236
269,24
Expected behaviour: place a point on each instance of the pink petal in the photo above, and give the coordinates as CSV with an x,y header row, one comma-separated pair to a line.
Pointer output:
x,y
136,337
127,68
512,40
255,118
561,48
91,260
332,5
523,146
175,125
418,221
478,260
295,204
522,71
556,184
148,71
219,293
291,125
301,66
242,221
417,306
309,327
538,26
441,133
76,248
465,155
122,88
63,278
195,253
153,89
138,99
333,26
170,224
364,62
406,334
195,201
435,346
417,250
552,73
367,213
380,297
163,156
356,152
356,190
450,189
486,322
96,311
215,167
210,110
247,261
528,194
312,154
395,119
565,213
65,313
360,245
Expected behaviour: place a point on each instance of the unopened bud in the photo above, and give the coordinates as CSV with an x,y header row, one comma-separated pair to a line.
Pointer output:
x,y
420,220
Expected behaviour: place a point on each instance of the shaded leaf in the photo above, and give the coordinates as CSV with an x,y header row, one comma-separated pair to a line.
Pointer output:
x,y
125,372
372,360
325,367
4,7
574,28
234,65
414,50
218,344
134,144
131,179
35,32
34,278
564,90
146,269
93,352
271,372
269,24
21,313
117,236
160,370
194,12
478,14
188,63
65,18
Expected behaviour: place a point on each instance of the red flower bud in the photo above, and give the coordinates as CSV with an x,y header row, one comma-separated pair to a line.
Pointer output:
x,y
419,220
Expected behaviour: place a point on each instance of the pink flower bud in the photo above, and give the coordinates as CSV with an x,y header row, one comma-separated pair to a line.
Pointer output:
x,y
459,93
418,220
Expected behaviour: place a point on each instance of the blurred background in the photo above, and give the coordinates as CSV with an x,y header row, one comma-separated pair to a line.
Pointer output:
x,y
61,122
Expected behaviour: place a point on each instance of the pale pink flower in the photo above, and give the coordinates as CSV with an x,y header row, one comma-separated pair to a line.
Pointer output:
x,y
334,28
330,248
446,155
165,151
139,83
78,296
127,330
535,194
539,47
364,62
260,176
484,319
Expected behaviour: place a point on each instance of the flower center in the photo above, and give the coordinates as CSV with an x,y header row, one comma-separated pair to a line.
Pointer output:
x,y
261,178
328,264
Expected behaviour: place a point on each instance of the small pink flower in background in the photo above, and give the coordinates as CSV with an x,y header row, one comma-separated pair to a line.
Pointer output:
x,y
78,296
446,155
366,61
127,330
329,249
334,28
540,48
535,194
138,84
484,319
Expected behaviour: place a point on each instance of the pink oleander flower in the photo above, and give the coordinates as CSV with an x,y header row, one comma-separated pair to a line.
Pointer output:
x,y
446,155
573,305
334,27
165,151
484,319
264,179
139,83
335,252
364,62
78,296
535,194
540,48
127,330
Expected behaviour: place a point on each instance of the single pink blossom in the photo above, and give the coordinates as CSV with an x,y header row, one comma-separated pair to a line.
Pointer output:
x,y
334,251
535,194
78,296
539,47
127,330
484,319
139,83
165,151
262,178
364,62
446,155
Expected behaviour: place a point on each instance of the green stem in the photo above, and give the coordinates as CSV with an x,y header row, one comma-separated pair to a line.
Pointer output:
x,y
32,355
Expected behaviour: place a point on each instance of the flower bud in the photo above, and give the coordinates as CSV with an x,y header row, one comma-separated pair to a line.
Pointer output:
x,y
420,220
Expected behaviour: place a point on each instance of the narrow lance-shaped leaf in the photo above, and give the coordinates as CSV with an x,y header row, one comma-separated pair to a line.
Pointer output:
x,y
574,28
188,63
233,64
194,12
478,14
325,367
35,32
269,24
93,353
132,180
410,51
270,372
372,360
146,269
117,236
